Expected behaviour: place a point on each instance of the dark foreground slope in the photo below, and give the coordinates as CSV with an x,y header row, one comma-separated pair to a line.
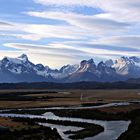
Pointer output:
x,y
133,132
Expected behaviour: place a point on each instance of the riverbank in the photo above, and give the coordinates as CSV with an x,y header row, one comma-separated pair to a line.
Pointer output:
x,y
113,128
25,130
98,114
133,132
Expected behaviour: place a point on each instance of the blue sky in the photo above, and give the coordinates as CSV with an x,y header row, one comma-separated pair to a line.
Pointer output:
x,y
58,32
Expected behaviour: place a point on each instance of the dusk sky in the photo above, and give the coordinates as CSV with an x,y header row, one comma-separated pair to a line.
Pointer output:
x,y
58,32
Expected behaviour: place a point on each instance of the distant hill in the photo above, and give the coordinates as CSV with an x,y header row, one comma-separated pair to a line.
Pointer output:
x,y
78,85
134,81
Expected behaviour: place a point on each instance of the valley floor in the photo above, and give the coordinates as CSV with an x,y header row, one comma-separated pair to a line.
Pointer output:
x,y
49,98
102,105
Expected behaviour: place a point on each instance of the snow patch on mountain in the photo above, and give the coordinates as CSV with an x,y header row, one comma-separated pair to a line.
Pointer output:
x,y
120,69
127,65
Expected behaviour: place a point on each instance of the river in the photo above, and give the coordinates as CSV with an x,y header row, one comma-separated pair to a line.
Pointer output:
x,y
112,129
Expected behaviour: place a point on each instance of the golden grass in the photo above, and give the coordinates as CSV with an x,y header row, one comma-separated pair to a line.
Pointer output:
x,y
118,109
73,98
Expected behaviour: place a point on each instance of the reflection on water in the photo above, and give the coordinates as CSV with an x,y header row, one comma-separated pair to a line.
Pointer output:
x,y
61,129
84,107
113,129
80,107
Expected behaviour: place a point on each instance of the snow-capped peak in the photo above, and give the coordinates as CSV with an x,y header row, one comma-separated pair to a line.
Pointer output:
x,y
17,65
69,69
11,60
23,57
87,65
101,66
109,62
136,60
19,60
126,65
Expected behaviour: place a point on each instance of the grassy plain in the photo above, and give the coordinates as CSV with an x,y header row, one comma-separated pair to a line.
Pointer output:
x,y
47,98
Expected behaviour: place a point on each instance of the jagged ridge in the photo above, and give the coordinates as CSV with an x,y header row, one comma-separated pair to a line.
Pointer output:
x,y
20,69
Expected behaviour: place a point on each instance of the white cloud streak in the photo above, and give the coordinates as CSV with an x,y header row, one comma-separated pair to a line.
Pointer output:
x,y
123,9
93,23
107,34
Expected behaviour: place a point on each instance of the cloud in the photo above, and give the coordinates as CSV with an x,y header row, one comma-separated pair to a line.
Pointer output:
x,y
106,5
32,37
5,24
75,50
116,9
128,41
54,31
80,34
84,21
66,3
61,50
41,31
46,59
49,55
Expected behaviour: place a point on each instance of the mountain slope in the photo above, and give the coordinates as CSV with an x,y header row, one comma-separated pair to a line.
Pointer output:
x,y
20,69
88,71
129,67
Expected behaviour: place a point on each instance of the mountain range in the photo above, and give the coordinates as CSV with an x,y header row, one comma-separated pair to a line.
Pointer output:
x,y
21,69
